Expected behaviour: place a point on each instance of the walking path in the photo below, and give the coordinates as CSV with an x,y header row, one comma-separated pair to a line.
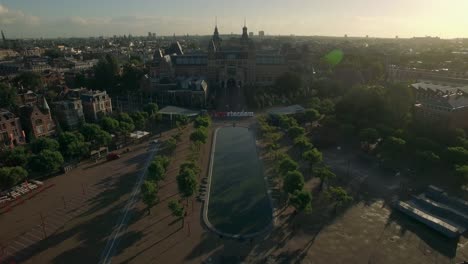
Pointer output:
x,y
113,241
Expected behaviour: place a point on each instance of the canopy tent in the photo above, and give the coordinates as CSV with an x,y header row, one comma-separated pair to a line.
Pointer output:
x,y
286,110
174,110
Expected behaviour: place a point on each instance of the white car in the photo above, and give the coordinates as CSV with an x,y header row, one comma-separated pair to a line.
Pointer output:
x,y
155,142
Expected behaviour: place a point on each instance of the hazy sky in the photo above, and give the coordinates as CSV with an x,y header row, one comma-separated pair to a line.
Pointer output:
x,y
379,18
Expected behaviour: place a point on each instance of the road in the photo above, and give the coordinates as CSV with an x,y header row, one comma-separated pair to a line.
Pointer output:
x,y
113,241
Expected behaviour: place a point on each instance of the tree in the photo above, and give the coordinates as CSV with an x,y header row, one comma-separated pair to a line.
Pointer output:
x,y
286,122
29,81
126,128
18,156
369,135
326,107
293,180
296,131
199,135
151,109
40,144
324,173
149,194
202,121
156,171
286,165
7,95
177,210
339,196
110,125
190,165
11,176
288,84
426,159
131,77
461,171
94,134
301,200
124,117
393,148
139,119
311,115
170,145
302,143
163,160
46,162
72,145
187,182
183,120
456,155
105,74
313,157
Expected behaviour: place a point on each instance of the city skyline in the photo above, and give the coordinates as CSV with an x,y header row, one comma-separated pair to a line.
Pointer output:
x,y
52,18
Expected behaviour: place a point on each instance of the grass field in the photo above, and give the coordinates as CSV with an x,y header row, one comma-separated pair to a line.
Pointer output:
x,y
238,202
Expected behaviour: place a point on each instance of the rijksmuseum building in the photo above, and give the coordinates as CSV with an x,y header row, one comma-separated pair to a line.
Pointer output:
x,y
187,79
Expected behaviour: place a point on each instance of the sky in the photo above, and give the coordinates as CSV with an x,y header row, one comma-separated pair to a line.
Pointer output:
x,y
376,18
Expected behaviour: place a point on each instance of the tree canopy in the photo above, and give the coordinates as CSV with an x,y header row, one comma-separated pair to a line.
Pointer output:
x,y
11,176
7,96
296,131
187,182
176,208
72,145
301,200
42,143
93,133
109,124
312,156
286,165
199,135
46,162
293,181
149,194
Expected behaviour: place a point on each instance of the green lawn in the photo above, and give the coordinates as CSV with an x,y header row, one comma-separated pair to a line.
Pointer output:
x,y
238,203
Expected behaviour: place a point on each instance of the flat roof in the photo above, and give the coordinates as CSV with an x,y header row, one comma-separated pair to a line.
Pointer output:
x,y
286,110
174,110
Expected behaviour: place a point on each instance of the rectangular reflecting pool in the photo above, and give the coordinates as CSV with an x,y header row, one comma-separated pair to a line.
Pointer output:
x,y
238,202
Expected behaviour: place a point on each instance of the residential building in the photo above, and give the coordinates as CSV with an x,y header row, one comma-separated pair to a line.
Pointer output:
x,y
442,104
95,104
69,113
399,74
11,132
27,98
37,120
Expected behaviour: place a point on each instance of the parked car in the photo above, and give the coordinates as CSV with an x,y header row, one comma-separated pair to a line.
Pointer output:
x,y
154,142
112,156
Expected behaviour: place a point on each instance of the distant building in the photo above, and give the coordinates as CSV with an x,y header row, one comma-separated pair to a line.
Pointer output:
x,y
69,113
401,74
37,120
95,104
11,132
442,104
191,92
261,33
27,98
227,65
251,34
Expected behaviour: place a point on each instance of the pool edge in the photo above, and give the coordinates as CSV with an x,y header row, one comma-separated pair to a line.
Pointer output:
x,y
208,192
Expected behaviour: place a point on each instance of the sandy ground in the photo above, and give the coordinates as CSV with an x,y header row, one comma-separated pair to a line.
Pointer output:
x,y
365,232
